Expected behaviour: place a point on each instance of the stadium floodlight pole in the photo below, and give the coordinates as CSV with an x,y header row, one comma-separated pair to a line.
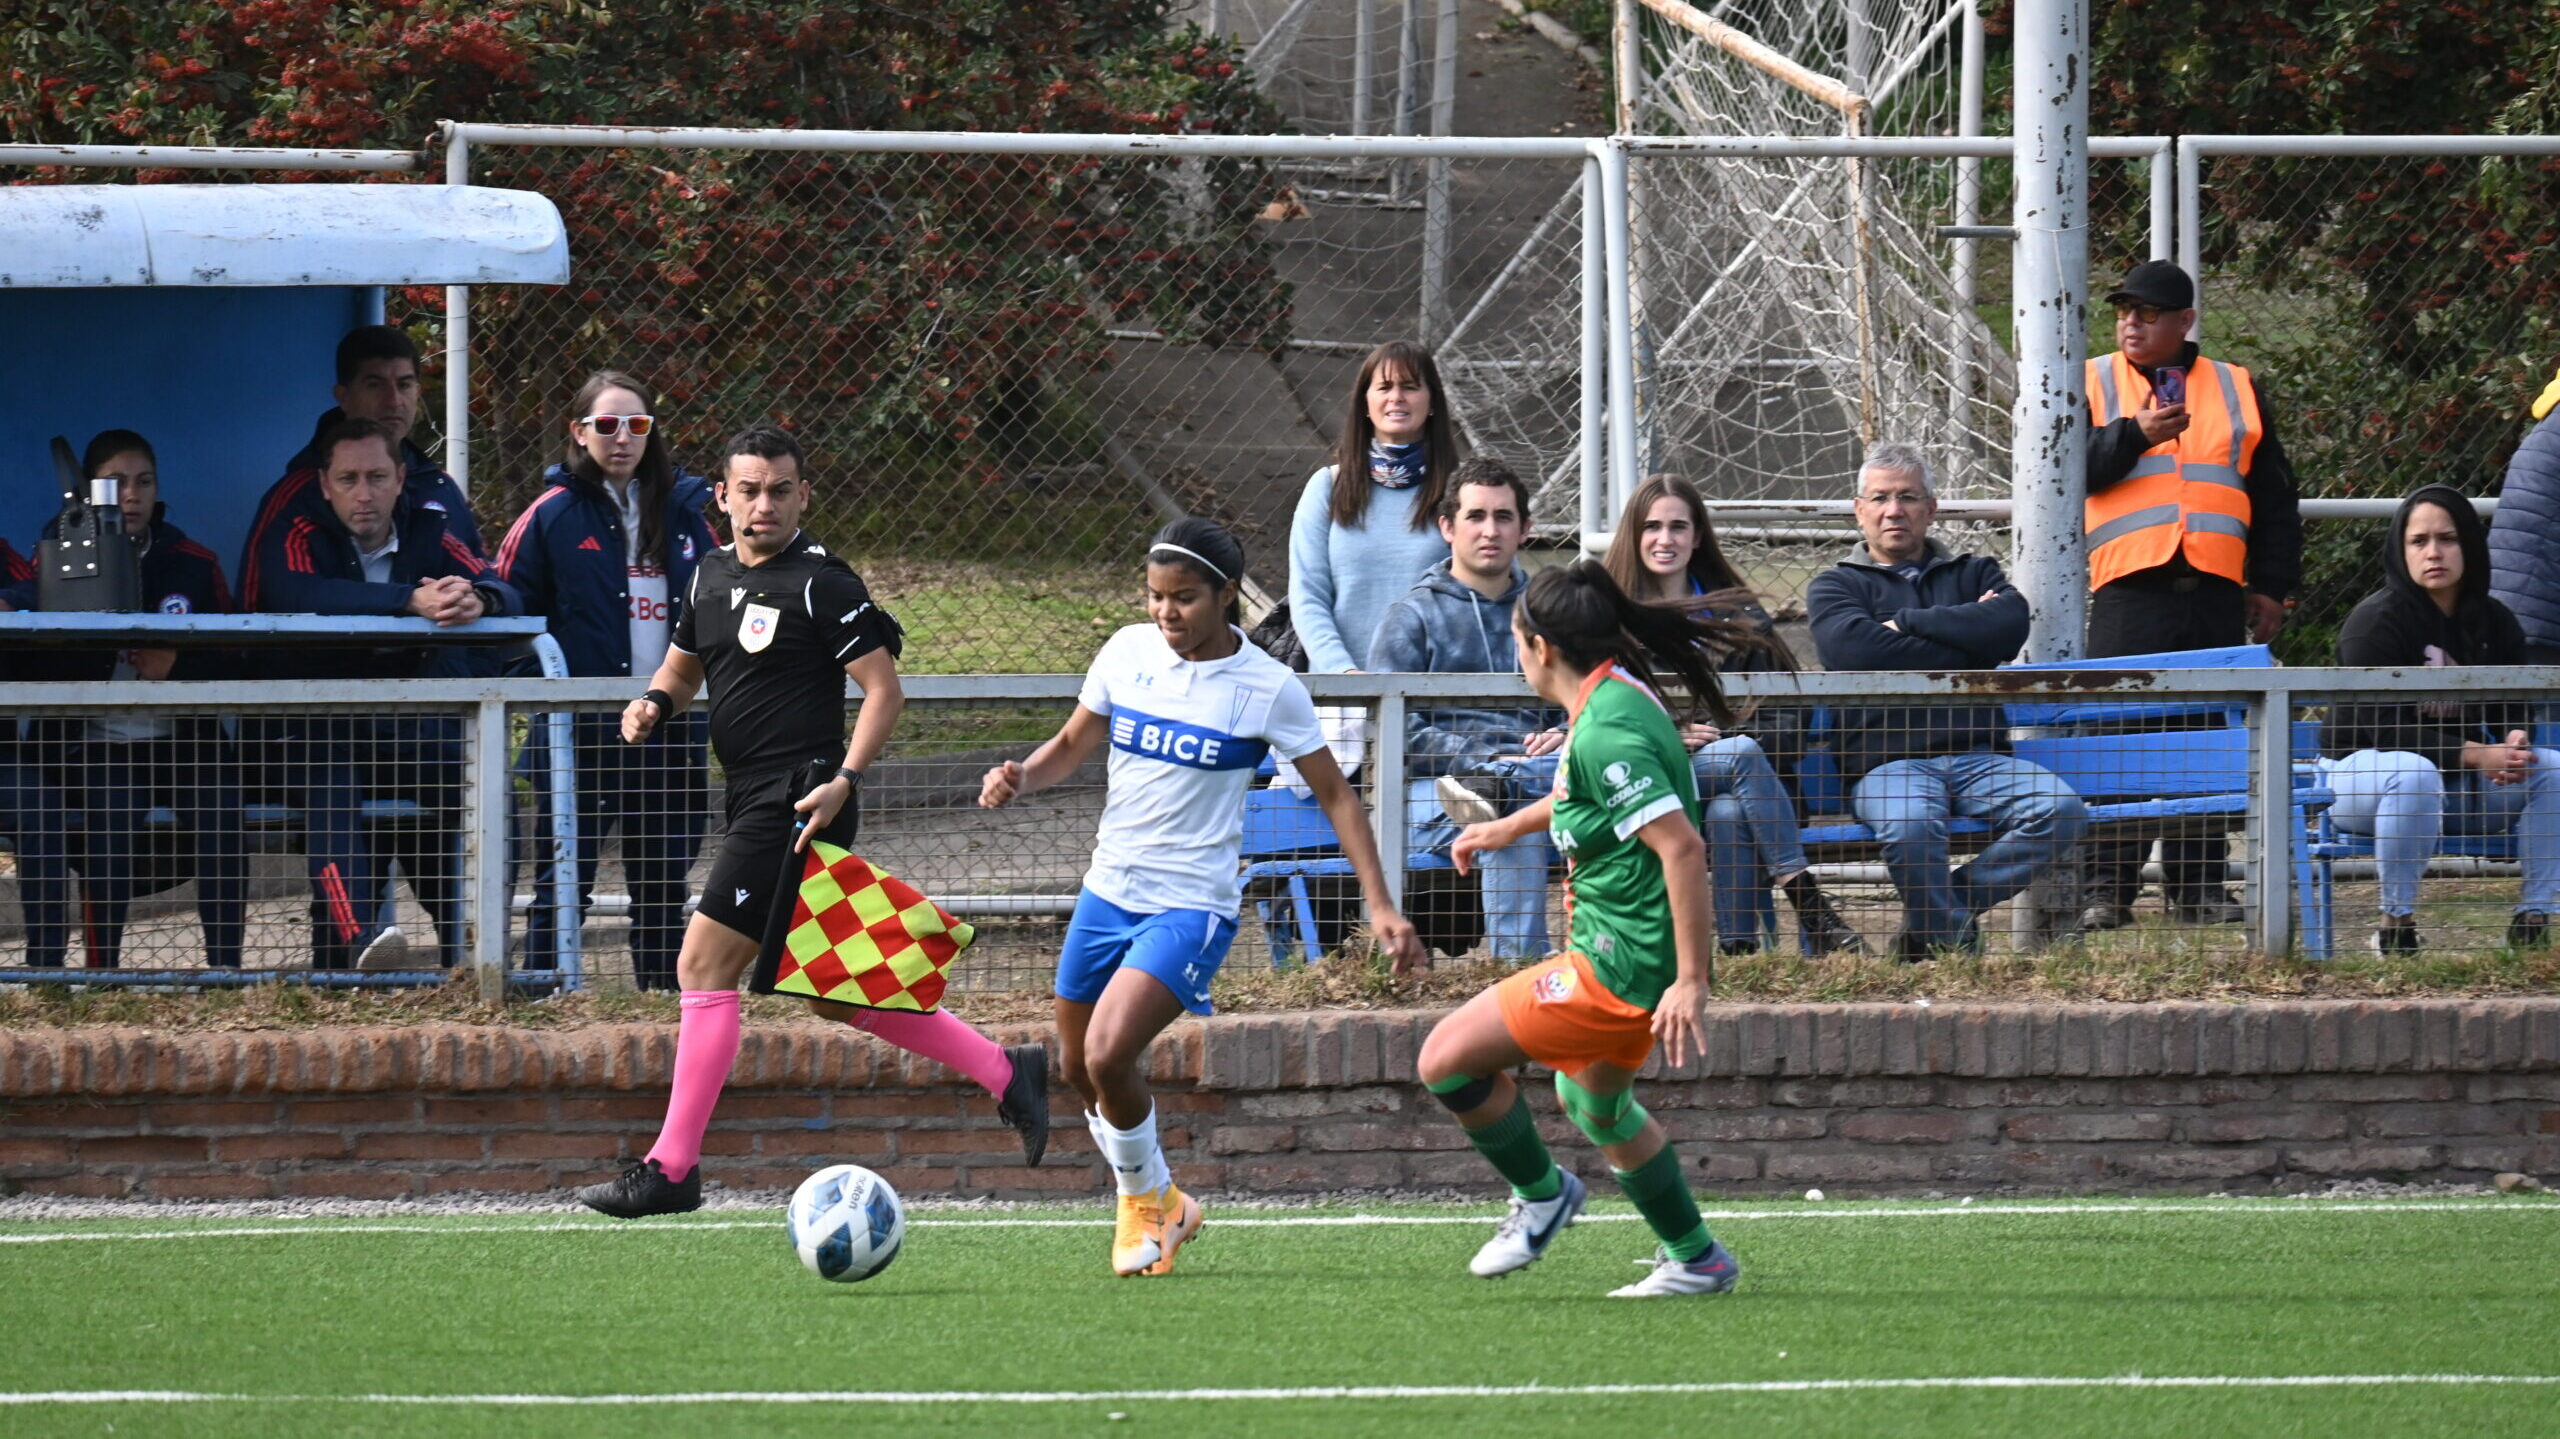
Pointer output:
x,y
1597,516
457,331
2048,308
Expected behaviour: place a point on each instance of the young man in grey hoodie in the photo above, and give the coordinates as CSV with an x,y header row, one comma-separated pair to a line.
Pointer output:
x,y
1457,620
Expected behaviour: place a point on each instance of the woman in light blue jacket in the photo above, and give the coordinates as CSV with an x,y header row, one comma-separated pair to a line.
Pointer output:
x,y
1364,531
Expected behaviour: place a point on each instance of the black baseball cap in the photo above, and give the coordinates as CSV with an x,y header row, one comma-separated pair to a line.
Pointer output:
x,y
2156,282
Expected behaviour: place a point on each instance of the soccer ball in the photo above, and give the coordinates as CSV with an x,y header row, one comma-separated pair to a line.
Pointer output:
x,y
846,1223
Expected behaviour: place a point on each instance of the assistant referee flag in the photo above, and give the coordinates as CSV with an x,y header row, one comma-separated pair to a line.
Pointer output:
x,y
857,936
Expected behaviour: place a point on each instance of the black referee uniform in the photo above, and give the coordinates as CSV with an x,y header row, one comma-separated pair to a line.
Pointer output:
x,y
773,640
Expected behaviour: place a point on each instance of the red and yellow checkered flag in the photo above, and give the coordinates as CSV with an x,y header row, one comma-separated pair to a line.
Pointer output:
x,y
858,936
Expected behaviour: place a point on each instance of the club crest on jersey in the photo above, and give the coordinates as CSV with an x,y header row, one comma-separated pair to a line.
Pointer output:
x,y
175,605
1556,985
756,630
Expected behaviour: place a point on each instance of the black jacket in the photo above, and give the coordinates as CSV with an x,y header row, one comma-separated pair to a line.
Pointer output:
x,y
2399,627
1942,623
2275,503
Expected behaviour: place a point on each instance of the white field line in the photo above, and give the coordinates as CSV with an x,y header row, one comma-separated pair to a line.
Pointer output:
x,y
1250,1220
1311,1392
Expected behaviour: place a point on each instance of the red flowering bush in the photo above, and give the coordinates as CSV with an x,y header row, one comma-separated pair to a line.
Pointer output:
x,y
900,310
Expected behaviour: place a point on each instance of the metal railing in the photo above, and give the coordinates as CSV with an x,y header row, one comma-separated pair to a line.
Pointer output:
x,y
1012,871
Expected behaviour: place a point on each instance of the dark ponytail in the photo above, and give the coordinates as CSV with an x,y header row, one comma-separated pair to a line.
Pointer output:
x,y
1206,549
1583,613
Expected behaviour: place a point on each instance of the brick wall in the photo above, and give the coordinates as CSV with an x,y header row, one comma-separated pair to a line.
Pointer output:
x,y
1851,1097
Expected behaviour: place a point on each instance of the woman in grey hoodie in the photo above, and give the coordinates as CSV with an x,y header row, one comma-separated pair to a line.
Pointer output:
x,y
1365,528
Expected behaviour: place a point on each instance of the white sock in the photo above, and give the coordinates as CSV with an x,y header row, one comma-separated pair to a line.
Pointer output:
x,y
1137,1161
1094,1125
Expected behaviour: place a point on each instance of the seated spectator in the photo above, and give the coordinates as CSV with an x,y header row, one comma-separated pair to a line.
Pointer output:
x,y
1900,601
118,767
1665,552
30,807
378,380
606,555
1457,620
2524,529
2408,771
356,543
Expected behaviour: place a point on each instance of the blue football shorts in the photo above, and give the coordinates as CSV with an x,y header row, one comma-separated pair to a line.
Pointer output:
x,y
1181,948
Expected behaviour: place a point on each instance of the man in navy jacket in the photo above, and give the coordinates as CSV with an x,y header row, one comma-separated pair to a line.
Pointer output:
x,y
356,543
2521,575
377,381
1900,601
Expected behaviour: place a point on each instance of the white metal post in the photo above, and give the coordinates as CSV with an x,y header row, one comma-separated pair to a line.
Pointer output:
x,y
1626,34
2191,223
1968,253
1386,787
1597,515
2164,201
1364,62
457,337
1612,155
1435,184
1408,114
2271,828
491,894
2048,303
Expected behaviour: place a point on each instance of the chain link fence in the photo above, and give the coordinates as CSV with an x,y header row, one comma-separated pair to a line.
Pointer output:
x,y
2398,309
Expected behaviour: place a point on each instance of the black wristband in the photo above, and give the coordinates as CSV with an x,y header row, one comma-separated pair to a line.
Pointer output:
x,y
850,776
665,702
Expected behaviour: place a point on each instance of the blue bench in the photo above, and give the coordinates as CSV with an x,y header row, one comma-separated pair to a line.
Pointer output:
x,y
1288,841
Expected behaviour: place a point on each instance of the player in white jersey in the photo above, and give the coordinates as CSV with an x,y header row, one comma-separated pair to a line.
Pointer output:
x,y
1189,709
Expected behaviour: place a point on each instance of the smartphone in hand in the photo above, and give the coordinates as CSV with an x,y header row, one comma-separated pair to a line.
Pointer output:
x,y
2168,386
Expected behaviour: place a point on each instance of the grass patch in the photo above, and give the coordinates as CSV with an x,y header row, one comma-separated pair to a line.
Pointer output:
x,y
716,1302
969,617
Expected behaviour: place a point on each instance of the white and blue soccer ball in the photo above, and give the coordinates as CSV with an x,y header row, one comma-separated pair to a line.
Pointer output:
x,y
846,1223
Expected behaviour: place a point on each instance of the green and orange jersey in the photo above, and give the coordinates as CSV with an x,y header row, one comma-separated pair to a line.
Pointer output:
x,y
1624,767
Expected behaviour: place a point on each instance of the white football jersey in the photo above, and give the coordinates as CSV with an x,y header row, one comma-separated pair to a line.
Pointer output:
x,y
1185,742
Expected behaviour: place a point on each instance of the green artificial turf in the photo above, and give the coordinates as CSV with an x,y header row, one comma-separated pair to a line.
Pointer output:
x,y
565,1306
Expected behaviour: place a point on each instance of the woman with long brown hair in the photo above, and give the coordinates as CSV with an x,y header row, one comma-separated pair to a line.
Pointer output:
x,y
1665,552
1366,525
605,554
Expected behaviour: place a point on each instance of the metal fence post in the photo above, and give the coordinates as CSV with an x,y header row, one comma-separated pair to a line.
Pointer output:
x,y
2164,200
2271,833
2048,302
1364,62
1597,516
457,336
1968,252
1435,184
1612,155
491,892
1386,783
2191,223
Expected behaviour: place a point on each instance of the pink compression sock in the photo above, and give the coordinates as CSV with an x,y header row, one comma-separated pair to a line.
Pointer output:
x,y
944,1037
706,1045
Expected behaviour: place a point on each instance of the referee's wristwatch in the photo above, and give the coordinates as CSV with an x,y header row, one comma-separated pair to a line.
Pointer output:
x,y
850,776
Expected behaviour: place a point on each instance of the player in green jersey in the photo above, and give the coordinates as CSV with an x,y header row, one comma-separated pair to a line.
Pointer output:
x,y
1624,813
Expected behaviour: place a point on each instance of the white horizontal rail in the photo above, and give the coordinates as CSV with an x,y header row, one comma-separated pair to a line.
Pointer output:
x,y
2369,146
204,157
1923,147
959,142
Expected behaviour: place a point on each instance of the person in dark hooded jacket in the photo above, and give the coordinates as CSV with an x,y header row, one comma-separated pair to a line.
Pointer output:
x,y
2408,771
606,555
2520,534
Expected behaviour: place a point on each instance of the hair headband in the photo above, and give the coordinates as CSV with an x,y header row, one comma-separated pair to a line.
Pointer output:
x,y
1222,575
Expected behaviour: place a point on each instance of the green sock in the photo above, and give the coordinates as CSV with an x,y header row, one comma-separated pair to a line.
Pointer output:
x,y
1512,1146
1661,1195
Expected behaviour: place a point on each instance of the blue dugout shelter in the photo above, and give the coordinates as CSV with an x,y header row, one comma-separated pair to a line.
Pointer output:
x,y
206,317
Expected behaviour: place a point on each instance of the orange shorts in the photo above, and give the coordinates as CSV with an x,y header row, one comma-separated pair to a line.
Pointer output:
x,y
1560,1013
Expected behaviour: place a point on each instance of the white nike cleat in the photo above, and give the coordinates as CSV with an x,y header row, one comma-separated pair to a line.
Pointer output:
x,y
388,951
1524,1234
1710,1273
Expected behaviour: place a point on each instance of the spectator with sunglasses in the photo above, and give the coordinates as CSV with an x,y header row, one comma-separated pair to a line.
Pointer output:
x,y
2195,538
606,554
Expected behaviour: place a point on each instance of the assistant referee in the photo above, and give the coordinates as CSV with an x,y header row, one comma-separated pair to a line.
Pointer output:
x,y
775,623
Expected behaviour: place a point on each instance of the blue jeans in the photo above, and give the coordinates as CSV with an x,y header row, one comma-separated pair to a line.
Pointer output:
x,y
1908,804
2406,804
1513,879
